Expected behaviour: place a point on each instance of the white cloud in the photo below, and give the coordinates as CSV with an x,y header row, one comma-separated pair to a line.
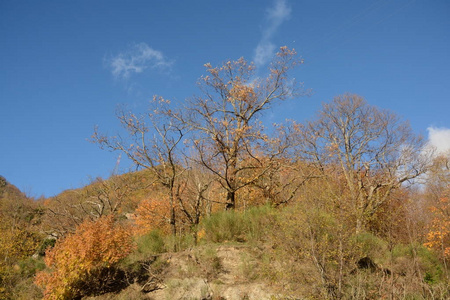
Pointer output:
x,y
136,59
439,139
276,15
263,53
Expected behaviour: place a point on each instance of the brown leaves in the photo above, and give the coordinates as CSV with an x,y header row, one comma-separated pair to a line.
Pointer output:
x,y
243,93
286,52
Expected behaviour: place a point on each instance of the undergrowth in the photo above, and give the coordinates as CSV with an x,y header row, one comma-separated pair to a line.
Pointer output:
x,y
301,255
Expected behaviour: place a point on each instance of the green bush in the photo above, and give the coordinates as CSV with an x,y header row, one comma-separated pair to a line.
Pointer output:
x,y
223,226
250,225
29,267
151,243
370,245
428,261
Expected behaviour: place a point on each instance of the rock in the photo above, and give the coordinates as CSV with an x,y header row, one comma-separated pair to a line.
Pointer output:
x,y
366,263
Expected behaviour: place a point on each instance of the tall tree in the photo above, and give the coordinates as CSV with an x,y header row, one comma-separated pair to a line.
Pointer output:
x,y
228,136
223,126
373,150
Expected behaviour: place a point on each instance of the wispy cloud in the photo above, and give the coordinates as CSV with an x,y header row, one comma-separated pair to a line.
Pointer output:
x,y
439,139
275,16
136,59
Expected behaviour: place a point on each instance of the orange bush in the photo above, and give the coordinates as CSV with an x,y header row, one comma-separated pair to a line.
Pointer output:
x,y
152,214
94,246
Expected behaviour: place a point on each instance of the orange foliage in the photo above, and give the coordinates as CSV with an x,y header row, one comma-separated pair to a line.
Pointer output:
x,y
94,246
439,235
152,214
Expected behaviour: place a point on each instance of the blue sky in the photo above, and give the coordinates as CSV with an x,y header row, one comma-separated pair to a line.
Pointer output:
x,y
66,65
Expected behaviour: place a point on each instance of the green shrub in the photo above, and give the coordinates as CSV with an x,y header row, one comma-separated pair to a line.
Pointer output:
x,y
428,261
151,243
223,226
370,245
29,267
250,225
260,222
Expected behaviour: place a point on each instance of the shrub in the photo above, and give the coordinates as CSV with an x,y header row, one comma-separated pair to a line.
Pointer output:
x,y
427,261
249,225
151,243
92,251
370,245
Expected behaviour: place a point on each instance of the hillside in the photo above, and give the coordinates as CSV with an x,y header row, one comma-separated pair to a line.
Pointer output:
x,y
263,254
328,209
8,190
292,251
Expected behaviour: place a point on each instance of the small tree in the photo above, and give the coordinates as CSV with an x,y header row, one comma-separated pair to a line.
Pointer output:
x,y
155,142
153,145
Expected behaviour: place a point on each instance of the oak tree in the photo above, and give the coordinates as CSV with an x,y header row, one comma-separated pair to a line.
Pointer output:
x,y
373,150
228,136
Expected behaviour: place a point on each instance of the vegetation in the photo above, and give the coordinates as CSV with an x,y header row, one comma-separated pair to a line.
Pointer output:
x,y
84,262
350,205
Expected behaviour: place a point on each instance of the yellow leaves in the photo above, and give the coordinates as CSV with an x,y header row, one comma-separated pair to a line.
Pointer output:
x,y
438,237
201,234
16,244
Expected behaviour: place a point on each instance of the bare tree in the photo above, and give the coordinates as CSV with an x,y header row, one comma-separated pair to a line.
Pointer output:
x,y
152,142
100,198
372,149
105,197
155,142
228,136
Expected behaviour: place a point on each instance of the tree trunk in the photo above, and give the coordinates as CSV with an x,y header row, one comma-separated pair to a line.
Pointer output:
x,y
231,200
173,223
